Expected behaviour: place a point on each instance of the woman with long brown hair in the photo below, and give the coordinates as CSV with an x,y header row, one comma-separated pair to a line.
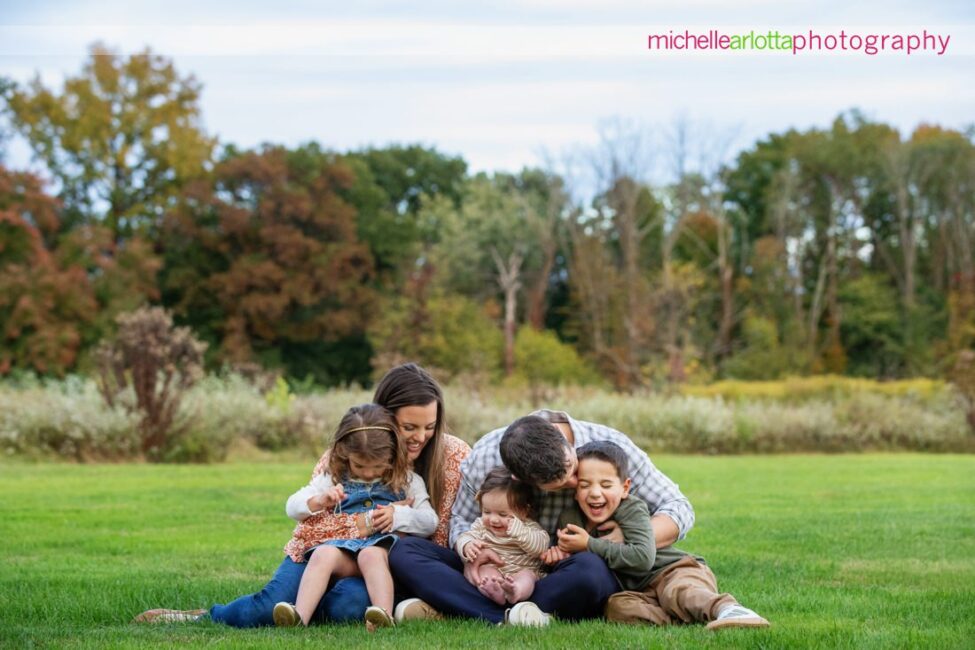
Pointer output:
x,y
416,402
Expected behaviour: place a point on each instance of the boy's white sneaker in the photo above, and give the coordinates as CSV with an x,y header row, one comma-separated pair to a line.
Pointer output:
x,y
526,614
414,609
737,616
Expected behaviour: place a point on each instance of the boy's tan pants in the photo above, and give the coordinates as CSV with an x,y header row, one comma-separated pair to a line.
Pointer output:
x,y
686,592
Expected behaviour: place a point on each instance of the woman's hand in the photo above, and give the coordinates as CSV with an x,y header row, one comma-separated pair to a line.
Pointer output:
x,y
382,518
573,539
554,555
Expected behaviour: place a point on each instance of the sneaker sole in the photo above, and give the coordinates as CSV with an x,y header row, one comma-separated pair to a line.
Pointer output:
x,y
738,622
378,617
285,616
169,616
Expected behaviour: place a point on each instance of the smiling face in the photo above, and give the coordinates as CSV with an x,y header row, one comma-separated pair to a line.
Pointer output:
x,y
367,469
416,424
496,512
600,490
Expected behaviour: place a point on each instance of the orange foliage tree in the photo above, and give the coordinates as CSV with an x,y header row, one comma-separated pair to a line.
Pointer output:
x,y
264,258
45,299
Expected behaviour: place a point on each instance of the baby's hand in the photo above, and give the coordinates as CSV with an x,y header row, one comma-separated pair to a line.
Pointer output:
x,y
554,555
471,550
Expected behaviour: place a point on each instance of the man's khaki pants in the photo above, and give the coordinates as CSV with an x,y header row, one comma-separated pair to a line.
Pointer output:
x,y
686,592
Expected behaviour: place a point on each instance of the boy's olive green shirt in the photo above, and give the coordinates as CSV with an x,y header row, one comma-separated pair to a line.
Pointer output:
x,y
637,561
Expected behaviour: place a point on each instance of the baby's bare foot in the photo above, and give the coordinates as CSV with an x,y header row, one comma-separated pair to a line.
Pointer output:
x,y
492,589
516,591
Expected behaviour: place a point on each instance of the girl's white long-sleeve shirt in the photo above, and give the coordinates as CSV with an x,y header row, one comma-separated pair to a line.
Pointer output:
x,y
419,519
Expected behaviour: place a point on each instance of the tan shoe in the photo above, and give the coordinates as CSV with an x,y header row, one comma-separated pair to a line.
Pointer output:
x,y
737,616
285,615
377,617
414,609
170,616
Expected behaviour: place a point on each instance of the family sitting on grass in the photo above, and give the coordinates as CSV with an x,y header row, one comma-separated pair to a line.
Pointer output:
x,y
548,517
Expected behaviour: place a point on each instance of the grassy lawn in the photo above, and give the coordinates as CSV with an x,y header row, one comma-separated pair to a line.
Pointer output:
x,y
847,551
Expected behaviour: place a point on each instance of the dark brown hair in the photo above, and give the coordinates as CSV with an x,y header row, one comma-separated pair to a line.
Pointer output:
x,y
608,452
410,385
534,450
521,497
369,431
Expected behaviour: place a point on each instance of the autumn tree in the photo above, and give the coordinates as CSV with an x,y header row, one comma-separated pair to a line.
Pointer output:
x,y
264,259
120,138
46,300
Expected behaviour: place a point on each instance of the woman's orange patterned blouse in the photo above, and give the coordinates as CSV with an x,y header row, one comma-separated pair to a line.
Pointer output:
x,y
326,525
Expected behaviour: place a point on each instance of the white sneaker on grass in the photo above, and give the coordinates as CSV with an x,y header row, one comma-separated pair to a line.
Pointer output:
x,y
526,614
737,616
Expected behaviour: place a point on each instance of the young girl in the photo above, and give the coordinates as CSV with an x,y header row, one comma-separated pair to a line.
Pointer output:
x,y
505,528
367,472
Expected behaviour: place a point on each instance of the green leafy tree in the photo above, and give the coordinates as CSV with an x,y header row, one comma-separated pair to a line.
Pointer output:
x,y
492,244
447,332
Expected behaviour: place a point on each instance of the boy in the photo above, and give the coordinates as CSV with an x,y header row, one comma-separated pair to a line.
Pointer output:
x,y
662,586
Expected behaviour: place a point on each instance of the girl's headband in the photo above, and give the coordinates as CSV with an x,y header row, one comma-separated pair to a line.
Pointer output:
x,y
375,427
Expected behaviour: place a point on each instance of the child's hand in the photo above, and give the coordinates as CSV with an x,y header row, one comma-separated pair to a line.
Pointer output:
x,y
471,550
382,518
554,555
331,497
573,539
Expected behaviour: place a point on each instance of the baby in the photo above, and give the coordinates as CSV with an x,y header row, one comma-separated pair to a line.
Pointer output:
x,y
505,528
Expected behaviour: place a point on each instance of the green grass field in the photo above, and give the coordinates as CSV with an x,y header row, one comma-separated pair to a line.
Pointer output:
x,y
837,551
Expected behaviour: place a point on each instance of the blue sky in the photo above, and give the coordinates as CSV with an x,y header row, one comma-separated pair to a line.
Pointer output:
x,y
502,81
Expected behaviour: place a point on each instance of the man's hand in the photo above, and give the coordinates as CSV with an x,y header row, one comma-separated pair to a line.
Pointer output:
x,y
382,518
471,550
554,555
615,536
327,499
573,539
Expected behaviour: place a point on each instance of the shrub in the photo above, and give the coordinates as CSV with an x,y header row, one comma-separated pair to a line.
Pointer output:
x,y
158,363
66,419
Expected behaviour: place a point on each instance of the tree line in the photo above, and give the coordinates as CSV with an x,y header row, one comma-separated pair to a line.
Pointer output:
x,y
846,249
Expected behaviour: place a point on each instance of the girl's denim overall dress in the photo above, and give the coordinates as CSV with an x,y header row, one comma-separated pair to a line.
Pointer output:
x,y
360,497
